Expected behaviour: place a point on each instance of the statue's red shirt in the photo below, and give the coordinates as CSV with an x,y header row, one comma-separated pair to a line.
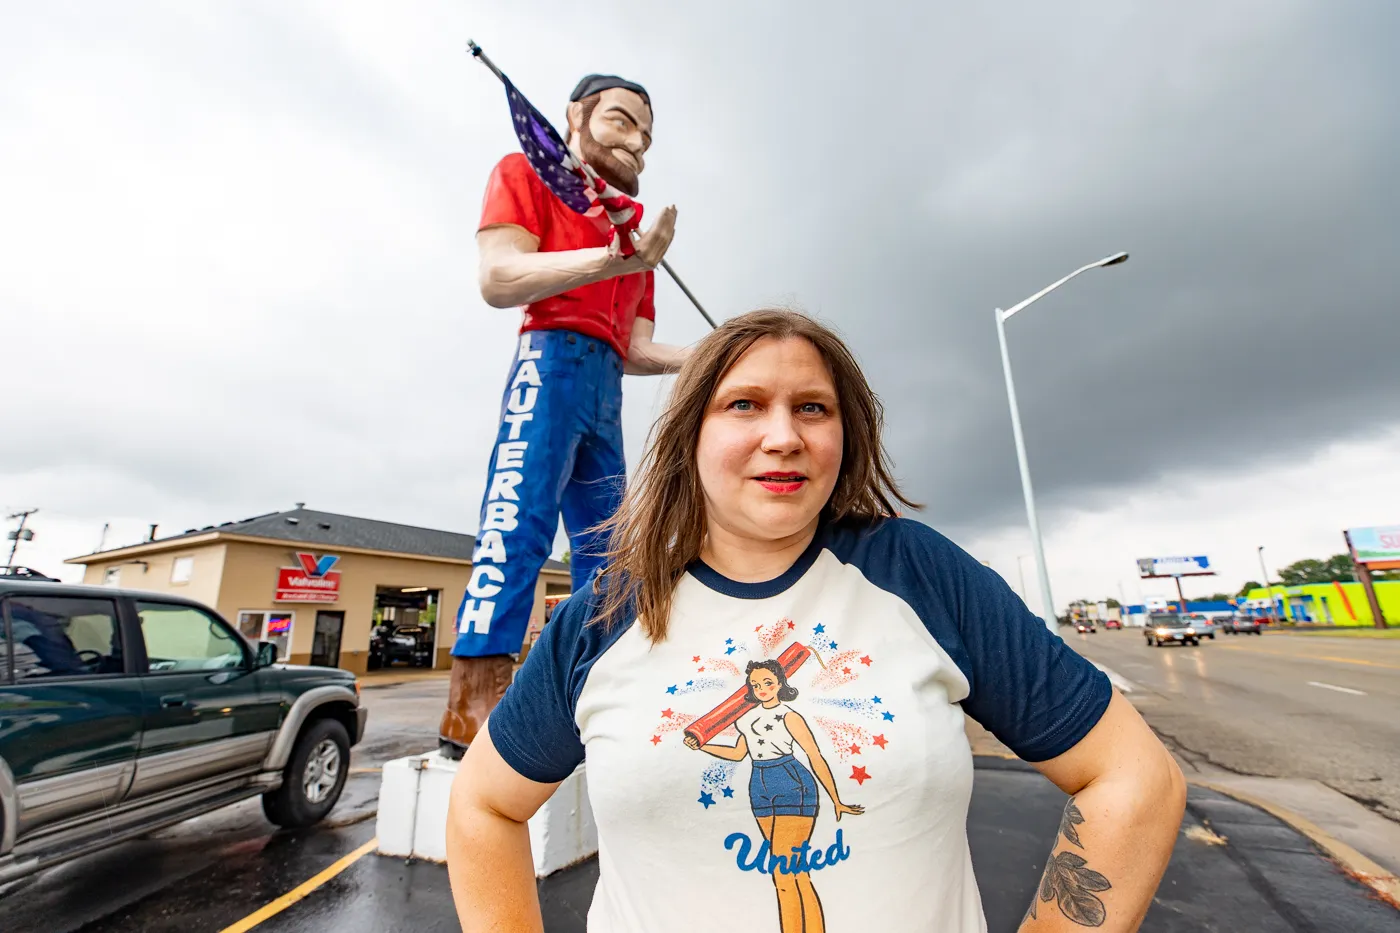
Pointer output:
x,y
605,310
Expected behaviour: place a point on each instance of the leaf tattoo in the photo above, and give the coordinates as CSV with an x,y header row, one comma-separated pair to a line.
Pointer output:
x,y
1069,882
1071,885
1070,819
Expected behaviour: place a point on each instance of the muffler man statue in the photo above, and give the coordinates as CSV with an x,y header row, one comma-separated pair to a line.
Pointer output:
x,y
588,318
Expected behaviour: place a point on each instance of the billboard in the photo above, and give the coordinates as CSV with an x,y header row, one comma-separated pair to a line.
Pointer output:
x,y
1375,544
1174,567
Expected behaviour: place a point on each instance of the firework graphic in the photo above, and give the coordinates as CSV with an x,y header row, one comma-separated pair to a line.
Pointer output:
x,y
774,633
872,709
722,666
847,739
838,670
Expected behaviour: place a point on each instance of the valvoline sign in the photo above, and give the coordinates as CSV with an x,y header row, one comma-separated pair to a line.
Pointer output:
x,y
311,581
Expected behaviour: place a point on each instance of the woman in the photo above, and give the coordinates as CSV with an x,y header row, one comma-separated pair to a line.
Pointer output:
x,y
765,513
782,793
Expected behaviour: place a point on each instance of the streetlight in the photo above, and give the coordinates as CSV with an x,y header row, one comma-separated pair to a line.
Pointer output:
x,y
1002,316
1022,573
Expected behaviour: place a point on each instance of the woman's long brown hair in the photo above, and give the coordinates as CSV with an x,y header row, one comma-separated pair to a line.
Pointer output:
x,y
660,527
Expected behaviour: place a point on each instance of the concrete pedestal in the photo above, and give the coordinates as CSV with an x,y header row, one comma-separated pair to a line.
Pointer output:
x,y
412,821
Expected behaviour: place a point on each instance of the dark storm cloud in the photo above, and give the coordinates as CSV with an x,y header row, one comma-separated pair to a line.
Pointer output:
x,y
962,159
899,170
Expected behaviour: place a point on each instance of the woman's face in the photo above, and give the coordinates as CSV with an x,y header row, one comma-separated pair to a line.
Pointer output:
x,y
770,445
764,684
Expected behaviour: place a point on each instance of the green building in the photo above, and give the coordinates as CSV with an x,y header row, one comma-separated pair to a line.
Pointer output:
x,y
1329,603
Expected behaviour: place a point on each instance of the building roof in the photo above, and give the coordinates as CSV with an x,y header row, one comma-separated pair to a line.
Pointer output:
x,y
328,529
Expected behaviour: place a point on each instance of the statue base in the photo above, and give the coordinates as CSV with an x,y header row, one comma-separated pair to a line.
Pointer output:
x,y
412,821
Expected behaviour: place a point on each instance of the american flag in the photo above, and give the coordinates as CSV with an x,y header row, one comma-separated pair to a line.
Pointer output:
x,y
571,179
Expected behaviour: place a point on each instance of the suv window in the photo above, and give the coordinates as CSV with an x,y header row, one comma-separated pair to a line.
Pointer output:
x,y
183,638
60,636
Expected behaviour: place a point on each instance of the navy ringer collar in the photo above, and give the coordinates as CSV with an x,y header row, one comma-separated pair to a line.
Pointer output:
x,y
768,588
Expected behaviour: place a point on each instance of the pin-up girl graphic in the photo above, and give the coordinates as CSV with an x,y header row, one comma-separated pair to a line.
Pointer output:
x,y
782,791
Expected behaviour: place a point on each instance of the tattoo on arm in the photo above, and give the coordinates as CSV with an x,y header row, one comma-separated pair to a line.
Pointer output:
x,y
1069,881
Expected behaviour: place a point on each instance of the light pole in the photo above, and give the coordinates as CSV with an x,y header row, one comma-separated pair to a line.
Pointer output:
x,y
1020,571
1002,317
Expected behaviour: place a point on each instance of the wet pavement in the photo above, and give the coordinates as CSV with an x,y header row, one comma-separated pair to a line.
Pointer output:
x,y
1234,867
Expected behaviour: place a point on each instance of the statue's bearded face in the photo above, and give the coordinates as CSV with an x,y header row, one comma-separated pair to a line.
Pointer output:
x,y
612,132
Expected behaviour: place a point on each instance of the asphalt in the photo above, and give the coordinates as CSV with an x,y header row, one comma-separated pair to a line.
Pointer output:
x,y
1234,868
1309,707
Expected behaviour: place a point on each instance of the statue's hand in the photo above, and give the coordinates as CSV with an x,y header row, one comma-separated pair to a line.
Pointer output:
x,y
652,245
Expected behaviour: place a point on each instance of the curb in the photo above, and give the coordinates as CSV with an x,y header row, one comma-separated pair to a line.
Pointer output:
x,y
377,680
1358,866
1120,683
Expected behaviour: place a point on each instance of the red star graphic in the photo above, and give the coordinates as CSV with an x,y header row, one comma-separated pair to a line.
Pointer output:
x,y
880,740
855,749
656,740
865,660
845,670
666,713
696,659
859,776
758,628
791,625
702,670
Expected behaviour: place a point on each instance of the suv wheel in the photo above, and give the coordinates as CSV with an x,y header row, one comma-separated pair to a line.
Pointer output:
x,y
314,776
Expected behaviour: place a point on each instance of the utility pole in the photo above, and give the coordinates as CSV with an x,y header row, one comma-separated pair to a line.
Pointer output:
x,y
21,533
1363,576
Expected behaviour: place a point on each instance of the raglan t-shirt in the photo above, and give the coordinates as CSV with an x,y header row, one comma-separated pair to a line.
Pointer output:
x,y
886,635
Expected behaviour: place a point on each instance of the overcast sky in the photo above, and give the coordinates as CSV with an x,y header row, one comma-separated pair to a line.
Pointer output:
x,y
238,263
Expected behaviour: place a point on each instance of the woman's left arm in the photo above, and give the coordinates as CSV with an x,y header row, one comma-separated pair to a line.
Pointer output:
x,y
802,735
1127,796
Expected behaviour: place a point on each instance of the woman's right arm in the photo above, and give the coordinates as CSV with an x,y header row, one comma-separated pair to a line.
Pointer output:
x,y
488,843
728,752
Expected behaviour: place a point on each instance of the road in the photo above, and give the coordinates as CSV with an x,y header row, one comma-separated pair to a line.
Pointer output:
x,y
1277,705
221,866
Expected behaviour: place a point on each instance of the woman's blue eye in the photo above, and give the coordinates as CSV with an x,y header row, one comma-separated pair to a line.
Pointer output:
x,y
813,408
743,405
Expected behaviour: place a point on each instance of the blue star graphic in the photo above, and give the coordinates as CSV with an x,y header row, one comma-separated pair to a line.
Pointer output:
x,y
833,646
671,689
729,641
690,683
819,629
875,699
706,799
889,717
728,792
729,650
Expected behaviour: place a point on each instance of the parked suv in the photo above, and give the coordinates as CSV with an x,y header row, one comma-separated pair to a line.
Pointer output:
x,y
122,712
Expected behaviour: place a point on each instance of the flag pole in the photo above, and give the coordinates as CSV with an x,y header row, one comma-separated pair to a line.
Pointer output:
x,y
481,56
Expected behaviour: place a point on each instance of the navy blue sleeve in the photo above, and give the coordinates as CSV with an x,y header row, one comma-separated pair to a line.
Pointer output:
x,y
533,726
1028,688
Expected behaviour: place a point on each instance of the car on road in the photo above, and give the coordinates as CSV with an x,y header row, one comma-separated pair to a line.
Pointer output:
x,y
122,712
1242,625
1204,625
1166,628
1113,623
1086,627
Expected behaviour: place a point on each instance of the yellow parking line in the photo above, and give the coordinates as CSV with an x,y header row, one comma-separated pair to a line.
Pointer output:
x,y
301,891
1310,657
